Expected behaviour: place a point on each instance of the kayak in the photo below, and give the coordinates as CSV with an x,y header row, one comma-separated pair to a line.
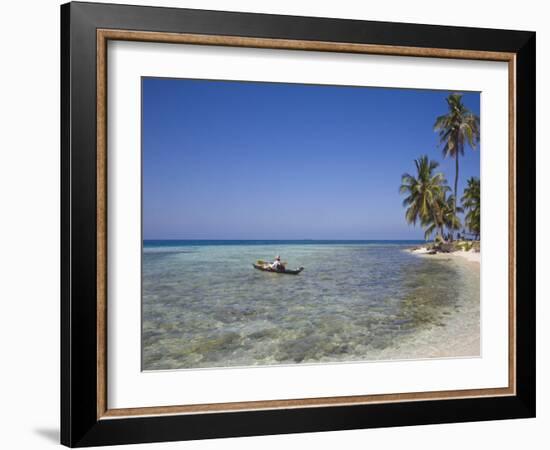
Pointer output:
x,y
282,272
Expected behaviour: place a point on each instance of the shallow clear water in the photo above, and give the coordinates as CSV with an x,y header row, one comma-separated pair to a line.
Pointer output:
x,y
204,305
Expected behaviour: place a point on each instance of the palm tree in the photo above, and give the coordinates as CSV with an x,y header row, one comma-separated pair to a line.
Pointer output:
x,y
443,216
432,224
448,213
472,203
457,127
424,192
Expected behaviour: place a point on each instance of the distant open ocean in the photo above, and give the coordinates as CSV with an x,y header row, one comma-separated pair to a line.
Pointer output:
x,y
204,305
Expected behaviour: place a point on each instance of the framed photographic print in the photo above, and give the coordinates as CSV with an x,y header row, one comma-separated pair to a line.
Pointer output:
x,y
276,224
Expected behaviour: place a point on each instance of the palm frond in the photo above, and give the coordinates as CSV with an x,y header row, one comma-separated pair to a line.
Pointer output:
x,y
424,193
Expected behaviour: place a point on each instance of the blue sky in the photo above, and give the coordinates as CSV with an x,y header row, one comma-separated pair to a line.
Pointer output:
x,y
244,160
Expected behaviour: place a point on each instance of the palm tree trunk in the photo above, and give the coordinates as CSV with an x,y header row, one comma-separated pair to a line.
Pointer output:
x,y
438,223
456,188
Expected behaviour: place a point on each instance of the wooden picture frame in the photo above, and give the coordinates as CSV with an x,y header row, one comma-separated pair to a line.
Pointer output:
x,y
86,418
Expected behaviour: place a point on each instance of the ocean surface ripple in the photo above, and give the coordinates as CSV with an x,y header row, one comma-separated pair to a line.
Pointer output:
x,y
205,306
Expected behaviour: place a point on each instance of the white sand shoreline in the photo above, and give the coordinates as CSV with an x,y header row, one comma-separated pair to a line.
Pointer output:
x,y
471,255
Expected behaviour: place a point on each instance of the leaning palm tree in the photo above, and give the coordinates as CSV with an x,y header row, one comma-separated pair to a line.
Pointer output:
x,y
433,224
443,216
472,203
448,213
423,195
456,128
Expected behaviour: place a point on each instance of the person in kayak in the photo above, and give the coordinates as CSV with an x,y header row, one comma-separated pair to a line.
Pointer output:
x,y
277,265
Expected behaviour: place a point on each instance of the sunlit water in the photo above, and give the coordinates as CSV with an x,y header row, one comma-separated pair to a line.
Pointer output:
x,y
206,306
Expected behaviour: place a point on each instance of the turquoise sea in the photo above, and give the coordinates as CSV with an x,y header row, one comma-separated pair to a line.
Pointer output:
x,y
204,305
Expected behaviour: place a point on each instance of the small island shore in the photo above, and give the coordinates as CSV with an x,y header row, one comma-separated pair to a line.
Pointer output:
x,y
468,250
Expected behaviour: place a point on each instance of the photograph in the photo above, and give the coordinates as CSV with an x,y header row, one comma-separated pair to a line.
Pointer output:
x,y
290,224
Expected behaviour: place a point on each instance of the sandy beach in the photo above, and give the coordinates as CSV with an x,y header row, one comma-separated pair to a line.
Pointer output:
x,y
471,256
